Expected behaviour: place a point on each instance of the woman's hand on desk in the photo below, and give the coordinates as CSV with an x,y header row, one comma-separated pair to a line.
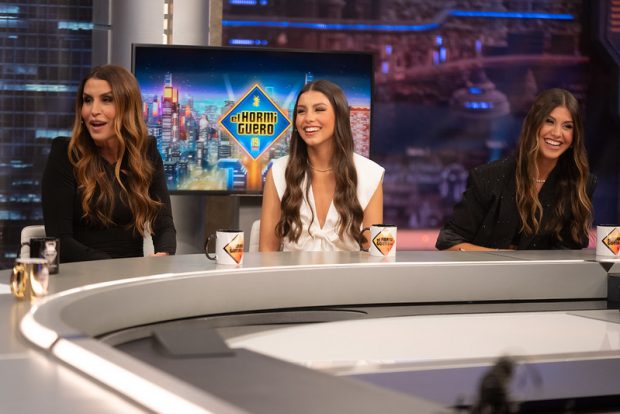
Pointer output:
x,y
161,254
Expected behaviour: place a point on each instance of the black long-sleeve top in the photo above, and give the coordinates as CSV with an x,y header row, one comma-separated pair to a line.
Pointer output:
x,y
82,240
488,216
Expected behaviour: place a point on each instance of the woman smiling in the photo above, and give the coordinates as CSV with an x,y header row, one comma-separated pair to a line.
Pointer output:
x,y
539,198
321,195
104,188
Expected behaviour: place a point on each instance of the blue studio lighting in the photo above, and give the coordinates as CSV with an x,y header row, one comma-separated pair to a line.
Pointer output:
x,y
477,105
511,15
331,26
432,25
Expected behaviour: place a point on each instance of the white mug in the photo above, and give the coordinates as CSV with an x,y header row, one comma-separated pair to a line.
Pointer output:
x,y
608,241
228,247
382,240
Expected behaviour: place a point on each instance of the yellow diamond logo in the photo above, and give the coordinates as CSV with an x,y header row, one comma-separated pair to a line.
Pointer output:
x,y
612,241
384,241
255,122
235,248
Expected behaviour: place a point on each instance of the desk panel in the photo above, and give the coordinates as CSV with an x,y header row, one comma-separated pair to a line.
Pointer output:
x,y
89,300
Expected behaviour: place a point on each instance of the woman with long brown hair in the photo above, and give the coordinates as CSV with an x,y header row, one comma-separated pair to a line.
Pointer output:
x,y
321,195
539,198
104,188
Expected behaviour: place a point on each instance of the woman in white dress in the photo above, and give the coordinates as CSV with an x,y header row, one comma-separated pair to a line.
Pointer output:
x,y
322,195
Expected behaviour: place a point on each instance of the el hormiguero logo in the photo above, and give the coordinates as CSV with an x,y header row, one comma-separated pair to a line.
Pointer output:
x,y
235,248
255,121
612,241
384,241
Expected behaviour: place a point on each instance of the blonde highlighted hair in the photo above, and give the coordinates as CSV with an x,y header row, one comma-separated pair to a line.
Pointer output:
x,y
95,185
572,166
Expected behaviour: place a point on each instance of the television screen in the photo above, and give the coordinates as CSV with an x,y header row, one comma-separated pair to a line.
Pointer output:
x,y
220,115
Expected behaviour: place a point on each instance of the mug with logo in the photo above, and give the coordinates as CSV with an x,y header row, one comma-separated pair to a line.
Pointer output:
x,y
382,240
46,248
29,278
228,247
608,241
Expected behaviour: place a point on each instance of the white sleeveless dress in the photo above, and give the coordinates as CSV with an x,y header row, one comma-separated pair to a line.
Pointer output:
x,y
313,237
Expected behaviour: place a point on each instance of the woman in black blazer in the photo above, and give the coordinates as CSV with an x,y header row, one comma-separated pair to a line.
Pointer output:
x,y
104,189
539,198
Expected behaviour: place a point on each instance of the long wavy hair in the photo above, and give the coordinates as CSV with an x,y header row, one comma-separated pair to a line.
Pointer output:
x,y
349,209
572,171
95,185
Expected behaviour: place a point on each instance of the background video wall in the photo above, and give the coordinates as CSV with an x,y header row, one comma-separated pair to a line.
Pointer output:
x,y
45,50
453,81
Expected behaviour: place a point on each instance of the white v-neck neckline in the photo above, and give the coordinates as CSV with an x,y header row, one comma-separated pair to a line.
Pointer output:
x,y
313,208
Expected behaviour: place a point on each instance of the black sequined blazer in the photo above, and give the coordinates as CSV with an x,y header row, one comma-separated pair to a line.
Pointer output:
x,y
488,216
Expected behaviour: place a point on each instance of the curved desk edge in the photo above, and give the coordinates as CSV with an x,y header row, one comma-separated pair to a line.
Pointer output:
x,y
65,323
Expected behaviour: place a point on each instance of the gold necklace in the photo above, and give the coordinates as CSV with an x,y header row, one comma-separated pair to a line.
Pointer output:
x,y
318,169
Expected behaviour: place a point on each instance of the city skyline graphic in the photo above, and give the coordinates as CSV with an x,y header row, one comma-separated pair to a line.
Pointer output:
x,y
186,107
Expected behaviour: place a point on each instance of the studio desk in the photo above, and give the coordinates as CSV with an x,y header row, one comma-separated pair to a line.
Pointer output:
x,y
312,333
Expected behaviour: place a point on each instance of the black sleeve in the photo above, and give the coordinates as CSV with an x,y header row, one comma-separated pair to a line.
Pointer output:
x,y
164,233
467,217
58,192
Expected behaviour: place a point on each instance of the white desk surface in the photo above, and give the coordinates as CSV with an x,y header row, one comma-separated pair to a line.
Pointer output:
x,y
34,382
31,379
351,347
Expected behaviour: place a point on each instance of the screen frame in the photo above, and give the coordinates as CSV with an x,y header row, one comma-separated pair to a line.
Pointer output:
x,y
240,49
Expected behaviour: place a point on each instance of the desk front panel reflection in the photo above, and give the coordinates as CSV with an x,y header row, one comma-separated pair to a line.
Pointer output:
x,y
112,310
